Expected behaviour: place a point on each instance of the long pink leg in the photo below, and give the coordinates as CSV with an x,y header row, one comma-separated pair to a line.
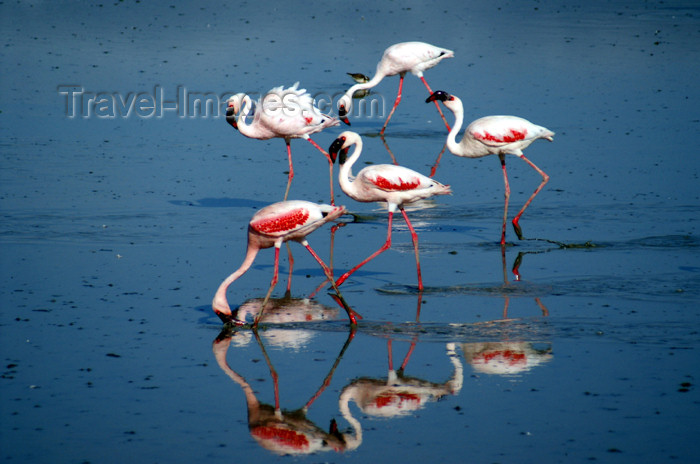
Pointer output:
x,y
430,92
329,275
384,247
505,208
291,169
414,237
545,179
396,103
272,284
291,267
330,166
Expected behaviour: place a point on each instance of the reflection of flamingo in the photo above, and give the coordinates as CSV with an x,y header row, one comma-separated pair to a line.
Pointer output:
x,y
511,357
495,135
286,432
398,395
400,58
283,113
271,226
395,185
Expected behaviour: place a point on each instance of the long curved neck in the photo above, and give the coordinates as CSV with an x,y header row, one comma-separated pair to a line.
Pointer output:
x,y
243,126
220,349
376,79
452,144
346,168
220,303
344,406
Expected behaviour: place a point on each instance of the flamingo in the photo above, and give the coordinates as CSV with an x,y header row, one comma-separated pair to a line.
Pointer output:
x,y
270,227
495,135
400,58
284,113
395,185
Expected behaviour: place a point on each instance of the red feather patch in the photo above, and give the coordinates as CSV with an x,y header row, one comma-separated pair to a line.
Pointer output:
x,y
513,137
386,184
282,436
282,223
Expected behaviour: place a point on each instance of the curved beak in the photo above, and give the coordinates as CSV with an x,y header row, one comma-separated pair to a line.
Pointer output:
x,y
231,118
343,115
337,147
440,95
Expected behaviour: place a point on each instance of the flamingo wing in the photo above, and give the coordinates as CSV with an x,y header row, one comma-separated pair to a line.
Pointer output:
x,y
284,218
390,178
498,131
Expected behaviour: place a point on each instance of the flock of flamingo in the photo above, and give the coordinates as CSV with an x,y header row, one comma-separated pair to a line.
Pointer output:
x,y
290,113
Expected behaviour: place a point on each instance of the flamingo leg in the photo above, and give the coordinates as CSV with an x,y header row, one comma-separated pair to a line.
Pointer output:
x,y
396,103
384,247
414,237
291,169
330,166
272,284
507,195
545,179
329,276
430,92
291,267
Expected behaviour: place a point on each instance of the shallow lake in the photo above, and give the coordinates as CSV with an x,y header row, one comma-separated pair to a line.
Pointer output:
x,y
125,201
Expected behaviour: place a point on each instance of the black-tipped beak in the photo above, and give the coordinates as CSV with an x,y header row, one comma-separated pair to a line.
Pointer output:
x,y
440,95
343,115
337,147
231,118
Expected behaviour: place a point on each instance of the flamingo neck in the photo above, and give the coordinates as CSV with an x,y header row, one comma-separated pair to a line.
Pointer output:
x,y
376,79
220,349
220,303
346,169
452,143
344,406
243,127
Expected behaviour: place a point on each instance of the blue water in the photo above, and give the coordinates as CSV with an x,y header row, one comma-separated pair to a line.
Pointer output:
x,y
118,226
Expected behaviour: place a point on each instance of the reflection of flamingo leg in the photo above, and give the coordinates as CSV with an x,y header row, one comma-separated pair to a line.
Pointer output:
x,y
327,380
273,372
437,161
391,153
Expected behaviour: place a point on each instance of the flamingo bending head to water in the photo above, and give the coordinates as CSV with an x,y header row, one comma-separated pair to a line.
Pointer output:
x,y
395,185
270,227
400,58
495,135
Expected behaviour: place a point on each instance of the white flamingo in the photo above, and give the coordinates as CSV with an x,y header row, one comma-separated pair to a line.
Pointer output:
x,y
400,58
395,185
270,227
494,135
283,113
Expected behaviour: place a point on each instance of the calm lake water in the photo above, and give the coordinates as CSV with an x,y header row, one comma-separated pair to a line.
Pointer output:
x,y
124,205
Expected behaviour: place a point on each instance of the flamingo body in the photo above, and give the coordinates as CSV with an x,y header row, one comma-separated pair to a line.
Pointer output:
x,y
282,113
494,135
400,58
395,185
270,227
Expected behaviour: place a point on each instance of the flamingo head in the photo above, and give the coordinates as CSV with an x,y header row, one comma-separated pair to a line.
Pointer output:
x,y
344,107
339,146
450,101
233,107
